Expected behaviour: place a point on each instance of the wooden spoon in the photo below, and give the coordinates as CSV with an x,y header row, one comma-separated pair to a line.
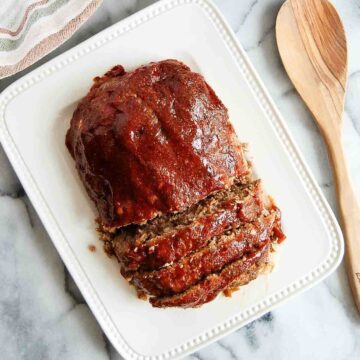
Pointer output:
x,y
312,45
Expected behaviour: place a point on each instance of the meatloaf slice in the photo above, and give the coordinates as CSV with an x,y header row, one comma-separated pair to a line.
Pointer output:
x,y
152,141
221,251
169,238
241,271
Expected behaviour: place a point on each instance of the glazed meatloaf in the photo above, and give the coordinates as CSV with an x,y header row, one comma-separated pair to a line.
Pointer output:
x,y
152,141
177,202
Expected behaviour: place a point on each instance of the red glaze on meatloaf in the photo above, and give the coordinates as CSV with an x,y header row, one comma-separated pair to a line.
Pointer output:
x,y
152,141
240,272
210,217
220,252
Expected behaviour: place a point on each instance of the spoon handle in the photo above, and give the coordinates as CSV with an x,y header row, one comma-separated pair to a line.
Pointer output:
x,y
349,211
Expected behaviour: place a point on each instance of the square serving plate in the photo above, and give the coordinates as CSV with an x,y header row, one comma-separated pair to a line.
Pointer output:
x,y
34,115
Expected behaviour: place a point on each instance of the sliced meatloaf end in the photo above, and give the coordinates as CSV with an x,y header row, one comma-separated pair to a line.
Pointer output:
x,y
243,270
221,251
151,247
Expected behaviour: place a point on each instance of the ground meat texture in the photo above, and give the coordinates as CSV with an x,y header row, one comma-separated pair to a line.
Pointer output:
x,y
147,250
221,251
241,271
152,141
177,202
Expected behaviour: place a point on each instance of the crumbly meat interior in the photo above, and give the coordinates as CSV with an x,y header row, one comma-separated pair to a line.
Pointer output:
x,y
186,259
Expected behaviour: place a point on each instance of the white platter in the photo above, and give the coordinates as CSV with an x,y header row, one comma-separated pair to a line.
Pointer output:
x,y
35,113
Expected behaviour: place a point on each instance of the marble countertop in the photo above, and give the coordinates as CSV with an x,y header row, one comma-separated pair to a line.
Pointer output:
x,y
320,324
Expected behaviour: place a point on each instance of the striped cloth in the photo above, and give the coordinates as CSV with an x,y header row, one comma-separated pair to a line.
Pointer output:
x,y
29,29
